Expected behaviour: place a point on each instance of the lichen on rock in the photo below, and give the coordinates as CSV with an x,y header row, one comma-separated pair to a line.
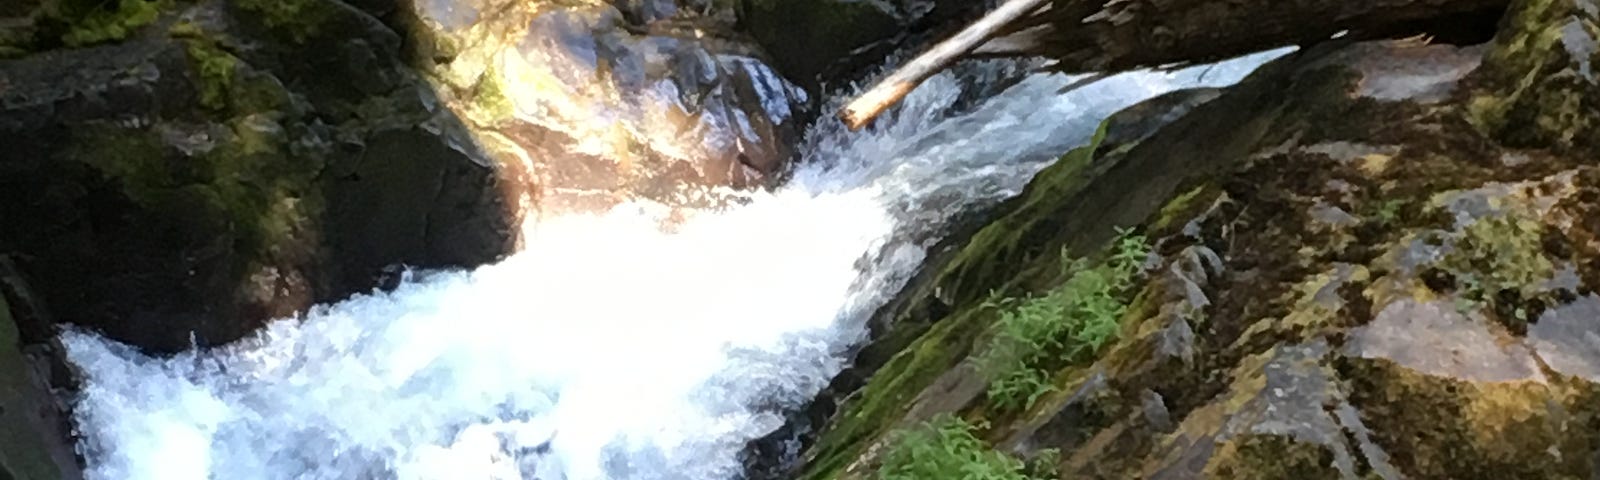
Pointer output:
x,y
1540,81
1363,276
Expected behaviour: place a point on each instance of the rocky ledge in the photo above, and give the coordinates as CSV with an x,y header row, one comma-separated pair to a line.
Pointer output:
x,y
1367,260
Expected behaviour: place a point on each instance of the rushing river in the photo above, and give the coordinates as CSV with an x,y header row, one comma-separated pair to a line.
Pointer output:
x,y
607,348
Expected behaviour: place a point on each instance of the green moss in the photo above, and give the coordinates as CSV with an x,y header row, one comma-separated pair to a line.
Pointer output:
x,y
1536,95
185,29
99,24
16,41
490,97
946,448
1443,427
216,69
247,187
1184,207
998,259
1038,335
1500,261
1272,457
886,398
226,86
300,19
135,160
997,253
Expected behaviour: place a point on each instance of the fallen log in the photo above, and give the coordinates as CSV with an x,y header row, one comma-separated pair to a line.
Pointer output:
x,y
1110,36
890,90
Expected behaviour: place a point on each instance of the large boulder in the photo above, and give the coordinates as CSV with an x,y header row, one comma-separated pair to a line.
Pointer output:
x,y
656,99
218,164
1375,260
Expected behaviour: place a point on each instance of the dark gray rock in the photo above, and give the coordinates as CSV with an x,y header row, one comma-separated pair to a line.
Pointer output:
x,y
222,167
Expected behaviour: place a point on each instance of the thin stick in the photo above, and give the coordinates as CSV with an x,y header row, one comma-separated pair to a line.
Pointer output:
x,y
890,90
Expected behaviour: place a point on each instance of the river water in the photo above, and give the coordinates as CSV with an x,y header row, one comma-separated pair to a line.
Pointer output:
x,y
607,348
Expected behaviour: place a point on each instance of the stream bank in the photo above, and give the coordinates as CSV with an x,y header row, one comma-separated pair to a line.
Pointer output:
x,y
1372,260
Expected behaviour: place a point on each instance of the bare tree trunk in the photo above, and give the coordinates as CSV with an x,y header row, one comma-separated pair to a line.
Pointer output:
x,y
1118,35
1121,35
890,90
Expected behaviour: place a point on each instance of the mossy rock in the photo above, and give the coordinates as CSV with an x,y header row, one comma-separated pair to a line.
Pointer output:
x,y
1541,87
1340,231
1440,427
299,20
1271,422
1272,457
1070,208
172,188
98,22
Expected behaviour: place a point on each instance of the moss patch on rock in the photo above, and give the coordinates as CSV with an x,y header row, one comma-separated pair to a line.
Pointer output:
x,y
98,24
1438,427
1541,86
300,19
1302,322
1501,262
490,97
216,69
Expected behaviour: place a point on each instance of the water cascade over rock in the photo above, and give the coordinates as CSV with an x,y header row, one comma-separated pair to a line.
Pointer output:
x,y
607,349
586,240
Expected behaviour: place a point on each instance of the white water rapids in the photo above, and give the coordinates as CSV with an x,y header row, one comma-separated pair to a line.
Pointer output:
x,y
607,349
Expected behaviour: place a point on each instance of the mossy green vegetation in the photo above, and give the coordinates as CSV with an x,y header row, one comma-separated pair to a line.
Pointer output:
x,y
300,19
946,447
226,85
490,96
135,160
1004,258
1540,91
1500,261
215,68
998,252
1066,325
111,21
894,387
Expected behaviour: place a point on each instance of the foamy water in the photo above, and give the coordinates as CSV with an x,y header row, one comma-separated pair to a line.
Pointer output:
x,y
607,349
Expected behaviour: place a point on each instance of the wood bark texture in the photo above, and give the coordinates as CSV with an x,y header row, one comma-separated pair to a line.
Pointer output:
x,y
1118,35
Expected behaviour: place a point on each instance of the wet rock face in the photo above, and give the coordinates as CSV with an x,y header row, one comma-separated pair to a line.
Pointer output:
x,y
34,445
654,99
208,172
1372,283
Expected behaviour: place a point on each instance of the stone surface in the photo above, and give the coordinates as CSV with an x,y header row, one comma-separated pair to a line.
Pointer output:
x,y
207,173
654,100
1361,275
33,444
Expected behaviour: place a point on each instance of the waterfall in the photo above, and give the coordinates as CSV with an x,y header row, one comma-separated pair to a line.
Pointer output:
x,y
607,348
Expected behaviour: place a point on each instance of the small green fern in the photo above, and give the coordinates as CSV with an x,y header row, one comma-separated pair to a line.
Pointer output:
x,y
946,448
1068,324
